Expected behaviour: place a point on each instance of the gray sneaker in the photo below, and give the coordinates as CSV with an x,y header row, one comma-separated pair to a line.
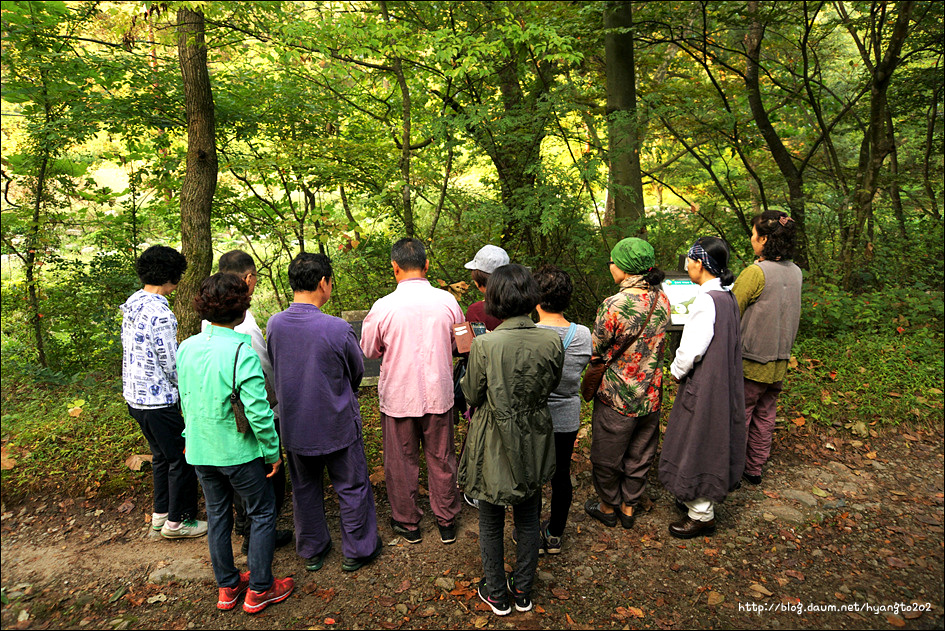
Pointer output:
x,y
189,529
157,521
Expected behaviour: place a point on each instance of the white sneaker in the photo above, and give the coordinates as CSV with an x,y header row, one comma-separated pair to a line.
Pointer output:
x,y
189,529
157,521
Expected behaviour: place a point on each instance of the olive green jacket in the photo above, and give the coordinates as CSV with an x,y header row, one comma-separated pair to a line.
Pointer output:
x,y
510,446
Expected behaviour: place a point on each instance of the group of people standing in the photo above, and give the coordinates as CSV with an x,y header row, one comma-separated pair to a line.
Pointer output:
x,y
225,405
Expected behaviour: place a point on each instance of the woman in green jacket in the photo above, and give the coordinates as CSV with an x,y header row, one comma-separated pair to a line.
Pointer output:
x,y
509,451
210,366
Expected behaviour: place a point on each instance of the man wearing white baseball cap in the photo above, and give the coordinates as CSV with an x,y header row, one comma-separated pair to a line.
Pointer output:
x,y
487,260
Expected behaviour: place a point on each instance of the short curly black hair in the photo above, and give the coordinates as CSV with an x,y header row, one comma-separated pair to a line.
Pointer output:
x,y
781,231
512,292
223,298
160,264
555,287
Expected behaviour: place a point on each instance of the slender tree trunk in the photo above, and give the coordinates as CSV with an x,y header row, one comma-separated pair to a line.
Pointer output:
x,y
874,147
200,180
626,180
30,261
398,68
782,157
894,195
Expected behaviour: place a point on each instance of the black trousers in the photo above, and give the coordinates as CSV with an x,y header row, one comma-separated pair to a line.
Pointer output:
x,y
175,481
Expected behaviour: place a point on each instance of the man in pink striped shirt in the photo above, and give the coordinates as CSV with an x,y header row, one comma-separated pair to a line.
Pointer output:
x,y
411,331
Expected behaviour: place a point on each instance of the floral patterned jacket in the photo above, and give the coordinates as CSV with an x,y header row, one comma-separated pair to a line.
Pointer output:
x,y
633,383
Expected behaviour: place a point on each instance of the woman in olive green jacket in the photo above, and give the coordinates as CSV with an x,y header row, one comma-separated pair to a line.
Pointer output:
x,y
509,450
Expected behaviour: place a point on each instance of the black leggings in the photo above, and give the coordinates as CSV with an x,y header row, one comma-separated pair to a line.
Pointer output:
x,y
561,490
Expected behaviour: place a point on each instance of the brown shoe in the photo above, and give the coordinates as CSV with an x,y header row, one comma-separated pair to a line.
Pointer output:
x,y
687,528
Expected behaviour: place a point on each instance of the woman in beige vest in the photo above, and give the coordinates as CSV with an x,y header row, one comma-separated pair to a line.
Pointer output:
x,y
769,298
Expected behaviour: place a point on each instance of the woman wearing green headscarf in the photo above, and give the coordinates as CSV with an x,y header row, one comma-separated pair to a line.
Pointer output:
x,y
625,423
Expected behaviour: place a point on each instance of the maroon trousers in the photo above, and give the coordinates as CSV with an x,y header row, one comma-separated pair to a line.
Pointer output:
x,y
402,440
761,410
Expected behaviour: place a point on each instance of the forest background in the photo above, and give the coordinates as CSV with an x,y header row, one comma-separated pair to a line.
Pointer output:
x,y
551,128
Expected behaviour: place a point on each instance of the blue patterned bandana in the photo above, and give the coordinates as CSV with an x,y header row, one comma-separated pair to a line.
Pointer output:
x,y
697,253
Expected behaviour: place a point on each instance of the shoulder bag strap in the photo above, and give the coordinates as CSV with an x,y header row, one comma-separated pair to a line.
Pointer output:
x,y
633,338
235,361
569,337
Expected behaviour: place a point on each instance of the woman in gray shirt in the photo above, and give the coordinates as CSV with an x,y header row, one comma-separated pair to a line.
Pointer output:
x,y
565,402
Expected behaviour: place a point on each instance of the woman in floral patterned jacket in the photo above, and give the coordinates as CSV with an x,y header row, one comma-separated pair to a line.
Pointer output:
x,y
625,423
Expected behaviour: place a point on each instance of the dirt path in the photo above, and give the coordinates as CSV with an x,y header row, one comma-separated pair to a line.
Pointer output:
x,y
837,522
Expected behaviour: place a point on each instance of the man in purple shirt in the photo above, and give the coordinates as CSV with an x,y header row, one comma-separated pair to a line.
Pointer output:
x,y
317,368
411,331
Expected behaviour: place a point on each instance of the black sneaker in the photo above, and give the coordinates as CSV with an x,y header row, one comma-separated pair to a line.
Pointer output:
x,y
549,543
752,479
447,533
353,565
523,601
500,606
411,536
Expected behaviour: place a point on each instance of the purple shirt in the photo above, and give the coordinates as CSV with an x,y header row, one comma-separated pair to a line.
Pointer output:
x,y
411,330
317,368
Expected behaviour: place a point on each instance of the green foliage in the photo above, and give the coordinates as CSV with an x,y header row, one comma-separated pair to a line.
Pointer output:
x,y
80,315
79,453
829,311
886,378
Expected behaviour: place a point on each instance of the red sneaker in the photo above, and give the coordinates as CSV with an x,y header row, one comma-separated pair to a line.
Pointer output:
x,y
229,595
257,601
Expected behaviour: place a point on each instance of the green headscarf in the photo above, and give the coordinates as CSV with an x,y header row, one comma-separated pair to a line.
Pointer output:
x,y
633,256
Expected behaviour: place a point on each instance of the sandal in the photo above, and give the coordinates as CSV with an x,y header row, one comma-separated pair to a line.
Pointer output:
x,y
592,508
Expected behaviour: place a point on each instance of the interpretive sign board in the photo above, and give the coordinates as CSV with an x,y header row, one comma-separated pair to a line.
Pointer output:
x,y
681,292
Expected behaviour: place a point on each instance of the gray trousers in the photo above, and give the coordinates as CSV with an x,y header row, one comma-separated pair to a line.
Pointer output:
x,y
622,451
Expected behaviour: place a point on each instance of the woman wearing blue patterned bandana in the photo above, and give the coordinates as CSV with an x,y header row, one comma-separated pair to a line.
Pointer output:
x,y
704,446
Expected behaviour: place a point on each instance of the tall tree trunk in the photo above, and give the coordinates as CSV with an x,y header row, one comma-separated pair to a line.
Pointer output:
x,y
782,157
894,195
30,258
875,146
398,68
626,181
200,180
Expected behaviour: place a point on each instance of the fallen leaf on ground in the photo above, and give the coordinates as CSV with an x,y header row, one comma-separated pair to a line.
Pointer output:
x,y
795,574
136,461
895,620
6,462
760,589
896,562
481,621
126,507
560,593
403,587
569,619
715,598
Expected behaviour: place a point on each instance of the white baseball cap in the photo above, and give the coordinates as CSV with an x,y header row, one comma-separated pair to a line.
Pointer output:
x,y
488,259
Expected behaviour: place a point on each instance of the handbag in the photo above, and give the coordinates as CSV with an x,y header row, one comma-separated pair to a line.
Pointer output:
x,y
239,411
594,374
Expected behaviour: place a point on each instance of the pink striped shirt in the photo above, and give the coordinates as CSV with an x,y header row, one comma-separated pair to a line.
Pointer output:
x,y
411,330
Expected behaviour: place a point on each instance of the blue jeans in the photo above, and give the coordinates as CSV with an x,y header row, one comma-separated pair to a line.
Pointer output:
x,y
249,480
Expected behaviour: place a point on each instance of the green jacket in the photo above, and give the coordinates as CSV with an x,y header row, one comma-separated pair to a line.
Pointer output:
x,y
510,446
205,379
